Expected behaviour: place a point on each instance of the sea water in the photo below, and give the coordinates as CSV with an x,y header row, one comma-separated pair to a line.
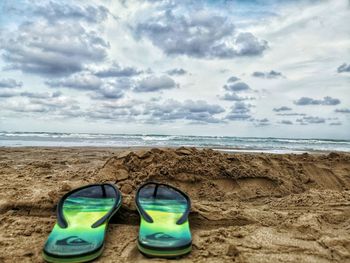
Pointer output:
x,y
225,143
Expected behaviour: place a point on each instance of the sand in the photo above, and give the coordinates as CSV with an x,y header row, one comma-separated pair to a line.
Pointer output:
x,y
246,207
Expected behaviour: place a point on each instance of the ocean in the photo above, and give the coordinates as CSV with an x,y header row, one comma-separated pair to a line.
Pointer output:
x,y
224,143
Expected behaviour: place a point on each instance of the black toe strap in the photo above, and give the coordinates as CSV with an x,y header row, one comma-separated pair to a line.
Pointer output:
x,y
147,217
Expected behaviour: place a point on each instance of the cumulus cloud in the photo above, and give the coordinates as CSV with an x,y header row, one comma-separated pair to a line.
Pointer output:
x,y
10,83
291,114
177,72
240,111
115,70
310,101
233,79
55,102
337,123
344,110
27,94
8,93
27,108
236,87
53,11
99,88
50,103
195,111
235,97
115,110
283,108
116,114
261,122
286,122
41,95
310,120
109,91
202,34
35,47
268,75
343,68
154,83
248,45
79,81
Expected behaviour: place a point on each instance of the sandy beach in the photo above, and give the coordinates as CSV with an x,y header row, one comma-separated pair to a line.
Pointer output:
x,y
246,207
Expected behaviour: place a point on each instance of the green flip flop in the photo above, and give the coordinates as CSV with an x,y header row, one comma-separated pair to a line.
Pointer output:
x,y
82,219
164,229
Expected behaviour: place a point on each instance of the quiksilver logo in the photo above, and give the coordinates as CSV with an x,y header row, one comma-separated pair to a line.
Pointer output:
x,y
72,241
160,236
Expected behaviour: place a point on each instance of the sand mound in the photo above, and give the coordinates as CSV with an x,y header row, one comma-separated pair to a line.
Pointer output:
x,y
215,176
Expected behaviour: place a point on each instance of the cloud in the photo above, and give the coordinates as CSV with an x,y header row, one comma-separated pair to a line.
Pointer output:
x,y
310,101
311,120
202,34
10,83
43,95
115,110
233,79
267,75
261,122
343,68
35,47
55,11
79,81
125,115
248,45
344,110
57,102
235,97
154,83
8,93
286,122
195,111
50,103
283,108
241,107
291,114
233,87
109,91
238,117
240,111
237,87
177,71
116,70
27,108
99,88
338,123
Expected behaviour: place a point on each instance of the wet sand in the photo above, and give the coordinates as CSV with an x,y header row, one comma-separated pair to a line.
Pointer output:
x,y
247,207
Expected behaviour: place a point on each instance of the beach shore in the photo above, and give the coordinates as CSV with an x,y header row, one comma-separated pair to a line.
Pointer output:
x,y
246,207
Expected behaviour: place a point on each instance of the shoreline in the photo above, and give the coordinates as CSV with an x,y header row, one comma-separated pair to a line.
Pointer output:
x,y
237,144
222,149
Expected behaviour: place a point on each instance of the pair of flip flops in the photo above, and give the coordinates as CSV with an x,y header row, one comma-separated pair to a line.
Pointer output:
x,y
84,213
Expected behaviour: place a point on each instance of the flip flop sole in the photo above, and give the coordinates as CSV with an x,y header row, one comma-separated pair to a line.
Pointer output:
x,y
73,260
163,253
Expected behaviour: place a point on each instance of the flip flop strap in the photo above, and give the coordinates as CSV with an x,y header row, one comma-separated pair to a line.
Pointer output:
x,y
62,222
148,218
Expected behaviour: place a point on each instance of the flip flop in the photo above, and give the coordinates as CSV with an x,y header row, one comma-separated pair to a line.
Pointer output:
x,y
82,219
164,229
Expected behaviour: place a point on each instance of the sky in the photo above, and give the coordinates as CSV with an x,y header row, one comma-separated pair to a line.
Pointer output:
x,y
262,68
